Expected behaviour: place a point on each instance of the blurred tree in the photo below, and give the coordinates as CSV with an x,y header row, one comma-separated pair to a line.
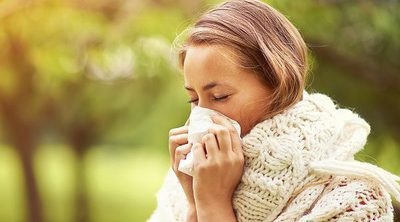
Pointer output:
x,y
360,42
71,78
20,123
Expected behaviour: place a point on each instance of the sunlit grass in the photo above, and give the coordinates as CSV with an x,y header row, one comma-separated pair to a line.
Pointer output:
x,y
11,190
121,183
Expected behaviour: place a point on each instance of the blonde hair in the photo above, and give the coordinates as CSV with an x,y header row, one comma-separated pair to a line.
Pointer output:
x,y
264,41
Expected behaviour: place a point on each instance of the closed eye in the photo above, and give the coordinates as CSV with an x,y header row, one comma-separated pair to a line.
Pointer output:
x,y
215,98
221,98
192,101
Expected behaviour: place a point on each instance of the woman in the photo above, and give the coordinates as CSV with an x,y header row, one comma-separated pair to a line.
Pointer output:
x,y
295,161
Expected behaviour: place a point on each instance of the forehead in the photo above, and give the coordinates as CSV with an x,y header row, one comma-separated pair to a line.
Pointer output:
x,y
206,63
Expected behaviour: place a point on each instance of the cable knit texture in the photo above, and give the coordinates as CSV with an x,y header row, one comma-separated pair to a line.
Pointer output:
x,y
299,166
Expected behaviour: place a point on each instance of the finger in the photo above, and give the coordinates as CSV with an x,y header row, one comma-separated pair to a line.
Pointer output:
x,y
179,139
236,143
222,137
174,142
199,154
179,130
180,153
237,146
210,142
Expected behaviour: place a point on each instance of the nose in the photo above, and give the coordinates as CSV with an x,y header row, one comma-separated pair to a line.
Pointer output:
x,y
202,104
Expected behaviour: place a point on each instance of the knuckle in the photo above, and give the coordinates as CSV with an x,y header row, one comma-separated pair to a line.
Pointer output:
x,y
239,160
227,162
183,149
178,151
232,129
207,137
172,139
223,166
200,168
212,128
215,165
223,131
220,164
230,161
171,132
187,148
204,139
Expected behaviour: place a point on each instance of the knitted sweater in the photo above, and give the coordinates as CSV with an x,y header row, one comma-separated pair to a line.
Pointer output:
x,y
300,166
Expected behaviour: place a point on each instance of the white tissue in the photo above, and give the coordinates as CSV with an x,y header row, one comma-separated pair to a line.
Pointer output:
x,y
199,123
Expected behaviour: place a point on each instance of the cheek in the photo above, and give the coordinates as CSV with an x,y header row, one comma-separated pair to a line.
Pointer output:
x,y
249,114
245,119
245,108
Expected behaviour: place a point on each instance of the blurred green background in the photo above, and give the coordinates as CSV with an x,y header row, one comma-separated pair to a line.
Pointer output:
x,y
89,90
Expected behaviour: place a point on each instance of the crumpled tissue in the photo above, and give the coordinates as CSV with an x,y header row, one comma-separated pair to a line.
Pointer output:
x,y
199,123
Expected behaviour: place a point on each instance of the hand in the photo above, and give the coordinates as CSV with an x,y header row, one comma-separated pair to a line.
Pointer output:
x,y
178,148
217,174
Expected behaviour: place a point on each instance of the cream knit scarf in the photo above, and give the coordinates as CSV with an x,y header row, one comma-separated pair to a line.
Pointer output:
x,y
299,166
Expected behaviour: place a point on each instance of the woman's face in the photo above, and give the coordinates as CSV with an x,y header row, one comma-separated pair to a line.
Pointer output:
x,y
214,80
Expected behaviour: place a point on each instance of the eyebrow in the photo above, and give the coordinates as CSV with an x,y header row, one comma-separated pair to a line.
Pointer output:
x,y
206,87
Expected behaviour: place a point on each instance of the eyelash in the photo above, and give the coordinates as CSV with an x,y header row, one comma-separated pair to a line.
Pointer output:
x,y
217,99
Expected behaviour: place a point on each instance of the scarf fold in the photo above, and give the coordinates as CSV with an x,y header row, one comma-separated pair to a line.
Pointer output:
x,y
341,162
305,144
290,158
359,169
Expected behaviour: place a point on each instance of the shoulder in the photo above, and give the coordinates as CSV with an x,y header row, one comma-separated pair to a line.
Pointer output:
x,y
353,199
